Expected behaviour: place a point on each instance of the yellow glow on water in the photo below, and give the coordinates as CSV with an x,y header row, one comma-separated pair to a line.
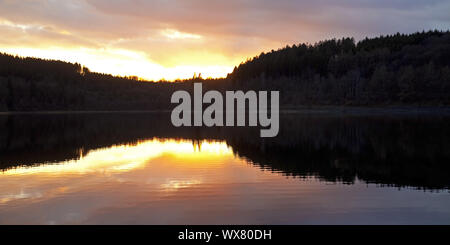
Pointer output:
x,y
173,185
127,157
155,181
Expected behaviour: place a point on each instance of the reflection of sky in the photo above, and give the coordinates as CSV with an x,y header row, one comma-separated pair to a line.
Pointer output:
x,y
127,157
169,181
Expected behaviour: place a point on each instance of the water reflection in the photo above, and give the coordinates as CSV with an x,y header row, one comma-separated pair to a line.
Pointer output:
x,y
137,169
107,184
395,150
176,164
126,157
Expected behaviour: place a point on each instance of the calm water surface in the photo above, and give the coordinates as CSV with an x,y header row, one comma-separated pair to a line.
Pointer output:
x,y
136,169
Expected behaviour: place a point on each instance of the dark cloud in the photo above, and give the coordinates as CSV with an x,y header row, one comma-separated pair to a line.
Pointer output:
x,y
282,19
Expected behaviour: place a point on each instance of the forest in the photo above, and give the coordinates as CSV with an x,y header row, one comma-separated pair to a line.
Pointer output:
x,y
401,69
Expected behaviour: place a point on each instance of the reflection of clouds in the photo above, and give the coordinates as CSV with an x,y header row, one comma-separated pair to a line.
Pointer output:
x,y
118,176
126,157
172,185
185,182
21,195
109,162
34,193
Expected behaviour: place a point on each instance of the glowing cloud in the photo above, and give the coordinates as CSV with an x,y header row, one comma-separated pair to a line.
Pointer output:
x,y
175,38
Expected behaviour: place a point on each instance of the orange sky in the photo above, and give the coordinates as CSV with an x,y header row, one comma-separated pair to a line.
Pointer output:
x,y
173,39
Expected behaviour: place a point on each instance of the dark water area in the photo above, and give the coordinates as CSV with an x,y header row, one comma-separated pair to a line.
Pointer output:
x,y
136,168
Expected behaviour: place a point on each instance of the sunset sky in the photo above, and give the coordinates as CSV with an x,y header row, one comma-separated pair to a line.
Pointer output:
x,y
172,39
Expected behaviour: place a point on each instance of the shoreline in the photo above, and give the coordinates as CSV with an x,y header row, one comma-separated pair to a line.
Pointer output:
x,y
295,110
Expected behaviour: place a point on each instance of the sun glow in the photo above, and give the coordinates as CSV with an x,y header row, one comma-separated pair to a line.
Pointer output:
x,y
123,62
162,54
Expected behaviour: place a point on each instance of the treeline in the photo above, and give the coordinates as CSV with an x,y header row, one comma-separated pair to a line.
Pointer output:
x,y
397,69
28,84
388,70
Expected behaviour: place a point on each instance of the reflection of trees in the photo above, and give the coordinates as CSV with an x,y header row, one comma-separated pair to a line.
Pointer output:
x,y
408,151
401,151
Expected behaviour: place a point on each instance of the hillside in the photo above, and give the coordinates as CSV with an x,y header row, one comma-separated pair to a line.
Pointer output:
x,y
399,69
30,84
388,70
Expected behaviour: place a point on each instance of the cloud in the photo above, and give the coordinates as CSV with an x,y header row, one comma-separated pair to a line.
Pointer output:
x,y
197,32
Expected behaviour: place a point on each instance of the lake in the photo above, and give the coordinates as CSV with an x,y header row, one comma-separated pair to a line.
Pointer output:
x,y
136,168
